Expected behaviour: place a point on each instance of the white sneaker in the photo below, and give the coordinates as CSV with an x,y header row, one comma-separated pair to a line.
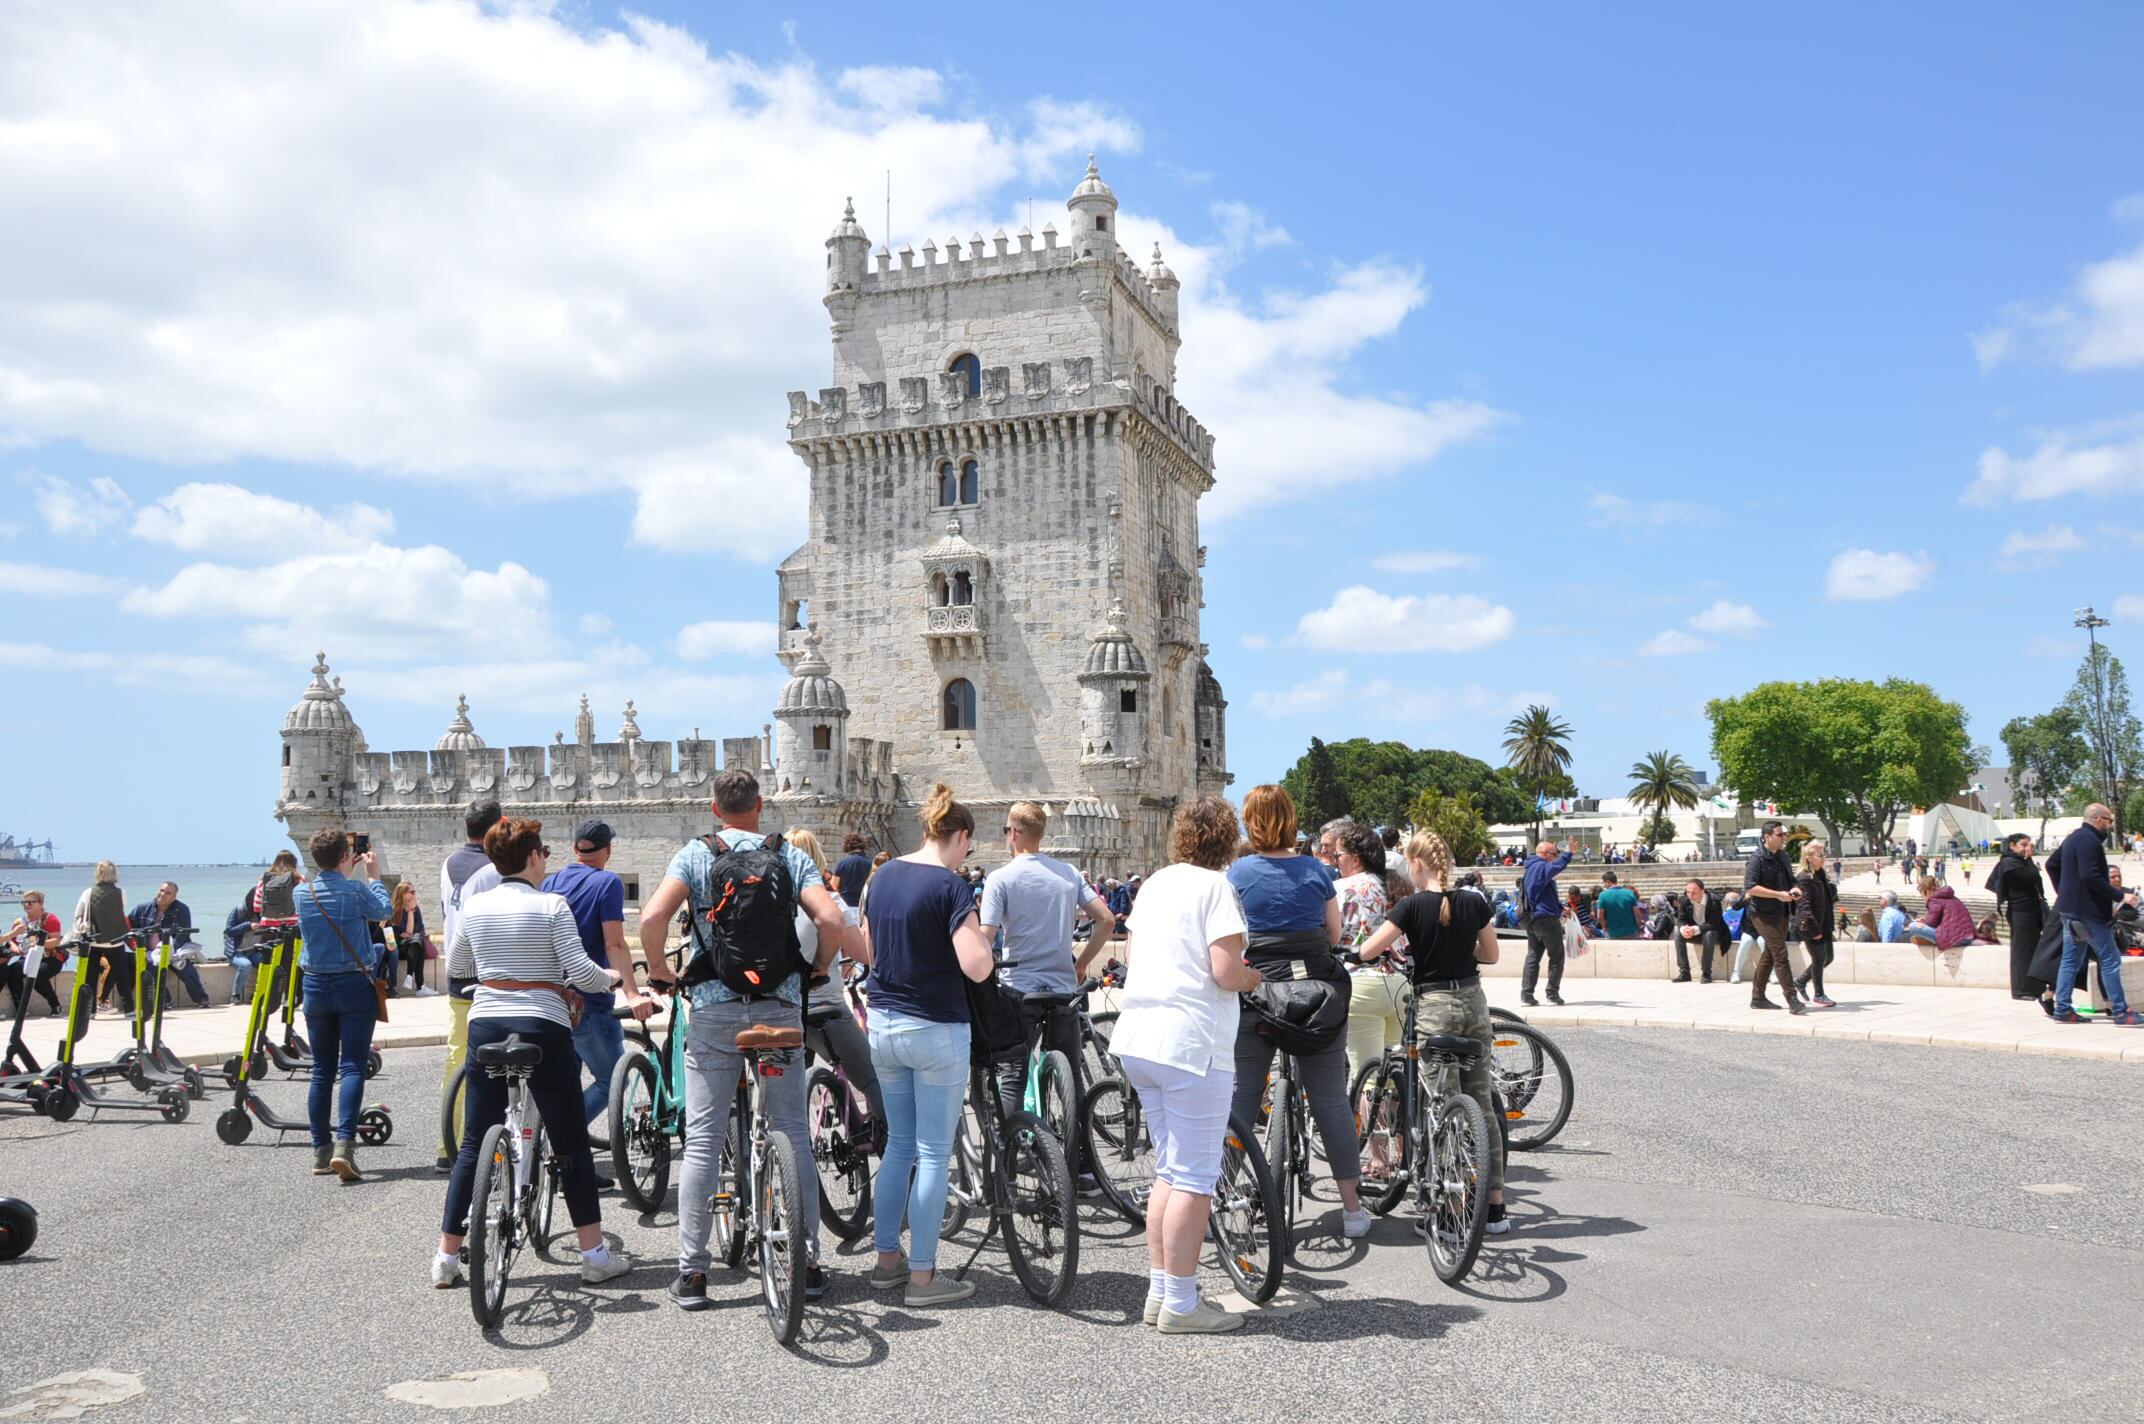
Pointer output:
x,y
1355,1223
1205,1318
594,1275
447,1274
426,991
409,981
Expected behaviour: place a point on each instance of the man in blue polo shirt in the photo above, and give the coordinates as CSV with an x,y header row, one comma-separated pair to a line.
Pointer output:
x,y
598,900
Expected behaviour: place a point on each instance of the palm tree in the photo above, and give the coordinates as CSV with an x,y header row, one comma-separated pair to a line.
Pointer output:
x,y
1661,781
1535,744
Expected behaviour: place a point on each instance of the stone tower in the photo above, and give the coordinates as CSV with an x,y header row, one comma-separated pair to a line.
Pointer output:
x,y
321,742
999,469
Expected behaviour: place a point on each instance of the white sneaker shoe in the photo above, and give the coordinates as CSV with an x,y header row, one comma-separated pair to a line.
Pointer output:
x,y
426,991
409,981
594,1275
447,1274
1356,1223
1205,1318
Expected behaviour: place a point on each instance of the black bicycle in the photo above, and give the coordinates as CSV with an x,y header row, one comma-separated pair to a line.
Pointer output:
x,y
1429,1140
759,1198
1533,1079
1010,1169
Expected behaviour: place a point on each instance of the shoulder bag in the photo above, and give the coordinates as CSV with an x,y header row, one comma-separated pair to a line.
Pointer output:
x,y
379,989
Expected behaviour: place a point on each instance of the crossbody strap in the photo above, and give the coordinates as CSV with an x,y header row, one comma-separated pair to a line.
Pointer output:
x,y
346,949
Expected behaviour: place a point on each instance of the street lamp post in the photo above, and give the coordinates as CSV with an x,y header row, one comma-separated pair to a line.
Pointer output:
x,y
2091,622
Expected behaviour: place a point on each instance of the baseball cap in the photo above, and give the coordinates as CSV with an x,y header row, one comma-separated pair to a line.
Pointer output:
x,y
591,835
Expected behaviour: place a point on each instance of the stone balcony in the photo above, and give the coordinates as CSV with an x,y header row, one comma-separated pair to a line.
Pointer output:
x,y
956,629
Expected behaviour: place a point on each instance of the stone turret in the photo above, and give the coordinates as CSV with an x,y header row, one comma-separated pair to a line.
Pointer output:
x,y
811,728
460,735
1162,282
1113,713
320,742
1094,216
1210,726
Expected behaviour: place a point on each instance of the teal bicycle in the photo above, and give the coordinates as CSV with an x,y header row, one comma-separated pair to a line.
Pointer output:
x,y
647,1110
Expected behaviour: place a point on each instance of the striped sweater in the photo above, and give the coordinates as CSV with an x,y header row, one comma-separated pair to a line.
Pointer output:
x,y
516,931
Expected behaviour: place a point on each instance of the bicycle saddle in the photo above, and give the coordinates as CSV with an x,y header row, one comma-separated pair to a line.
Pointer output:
x,y
511,1054
817,1014
762,1038
1048,1001
1451,1045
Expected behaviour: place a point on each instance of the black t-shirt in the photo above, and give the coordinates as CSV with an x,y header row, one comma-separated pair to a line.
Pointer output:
x,y
1441,951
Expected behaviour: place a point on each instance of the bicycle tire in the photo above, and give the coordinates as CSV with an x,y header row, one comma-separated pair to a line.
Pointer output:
x,y
1455,1186
1094,1044
1279,1148
1041,1219
543,1195
1241,1219
1380,1102
453,1104
1056,1095
491,1228
639,1148
967,1184
1497,1015
783,1254
732,1175
1551,1081
1119,1147
842,1162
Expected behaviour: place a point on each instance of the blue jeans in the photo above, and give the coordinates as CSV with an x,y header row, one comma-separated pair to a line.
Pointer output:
x,y
2076,931
600,1040
1920,934
923,1076
242,970
190,975
339,1015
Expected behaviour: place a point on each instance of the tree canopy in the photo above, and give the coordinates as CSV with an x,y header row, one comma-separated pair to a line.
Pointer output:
x,y
1662,780
2111,731
2048,756
1457,819
1853,753
1378,783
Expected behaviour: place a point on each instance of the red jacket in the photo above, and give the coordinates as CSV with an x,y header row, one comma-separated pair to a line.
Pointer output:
x,y
1949,918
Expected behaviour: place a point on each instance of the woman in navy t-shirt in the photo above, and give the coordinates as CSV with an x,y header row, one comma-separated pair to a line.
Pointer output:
x,y
922,941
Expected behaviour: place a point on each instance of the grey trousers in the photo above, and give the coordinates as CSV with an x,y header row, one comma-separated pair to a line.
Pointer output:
x,y
1324,1080
713,1067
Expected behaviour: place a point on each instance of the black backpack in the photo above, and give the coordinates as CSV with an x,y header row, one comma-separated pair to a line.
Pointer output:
x,y
748,937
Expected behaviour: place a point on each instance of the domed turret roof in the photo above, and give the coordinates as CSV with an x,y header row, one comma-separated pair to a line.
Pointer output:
x,y
812,688
320,709
1113,653
1159,273
1209,686
1092,186
848,226
459,736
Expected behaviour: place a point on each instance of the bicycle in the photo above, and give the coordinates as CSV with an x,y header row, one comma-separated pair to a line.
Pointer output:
x,y
1433,1139
842,1133
1051,1092
1287,1140
758,1200
1534,1080
516,1184
647,1109
1009,1167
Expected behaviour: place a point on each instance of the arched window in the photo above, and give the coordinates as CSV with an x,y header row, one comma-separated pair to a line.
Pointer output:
x,y
948,484
968,366
938,591
959,709
971,481
963,589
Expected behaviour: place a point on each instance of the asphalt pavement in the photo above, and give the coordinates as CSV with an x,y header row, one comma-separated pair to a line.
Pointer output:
x,y
1732,1227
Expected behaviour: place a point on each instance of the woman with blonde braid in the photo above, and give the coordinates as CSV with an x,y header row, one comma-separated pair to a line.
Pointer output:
x,y
1451,937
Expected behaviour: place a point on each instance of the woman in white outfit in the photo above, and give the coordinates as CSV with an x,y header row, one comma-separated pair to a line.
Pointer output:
x,y
1176,1036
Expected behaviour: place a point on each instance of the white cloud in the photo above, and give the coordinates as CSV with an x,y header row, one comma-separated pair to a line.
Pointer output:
x,y
1673,643
2026,550
1320,694
2100,324
2100,461
592,625
70,508
897,87
2129,608
241,523
378,602
1255,642
2047,645
1362,620
1864,574
1062,131
1244,228
40,581
1724,618
167,672
1424,561
1615,512
718,638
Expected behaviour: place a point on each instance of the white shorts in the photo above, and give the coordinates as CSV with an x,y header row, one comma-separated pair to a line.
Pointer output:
x,y
1187,1116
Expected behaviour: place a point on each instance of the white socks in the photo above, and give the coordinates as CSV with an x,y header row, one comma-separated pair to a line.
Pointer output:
x,y
1156,1289
1180,1293
446,1258
596,1255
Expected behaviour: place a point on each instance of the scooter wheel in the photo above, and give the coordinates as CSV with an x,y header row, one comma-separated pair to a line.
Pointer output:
x,y
375,1127
174,1104
260,1065
18,1227
234,1126
138,1078
196,1085
372,1063
62,1102
230,1070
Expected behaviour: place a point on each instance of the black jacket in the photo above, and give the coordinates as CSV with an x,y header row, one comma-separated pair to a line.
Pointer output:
x,y
1714,919
1813,912
2018,887
2079,869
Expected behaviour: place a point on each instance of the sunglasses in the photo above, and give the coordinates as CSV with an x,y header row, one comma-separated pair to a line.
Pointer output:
x,y
543,850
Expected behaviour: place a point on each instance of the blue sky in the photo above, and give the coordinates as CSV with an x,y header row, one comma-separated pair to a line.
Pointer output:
x,y
1620,357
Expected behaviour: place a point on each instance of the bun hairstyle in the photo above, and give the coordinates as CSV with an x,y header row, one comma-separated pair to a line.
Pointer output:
x,y
943,817
1428,849
510,844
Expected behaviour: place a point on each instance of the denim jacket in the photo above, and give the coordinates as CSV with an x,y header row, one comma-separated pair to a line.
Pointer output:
x,y
331,901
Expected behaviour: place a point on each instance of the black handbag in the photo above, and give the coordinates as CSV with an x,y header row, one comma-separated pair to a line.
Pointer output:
x,y
996,1031
1301,1016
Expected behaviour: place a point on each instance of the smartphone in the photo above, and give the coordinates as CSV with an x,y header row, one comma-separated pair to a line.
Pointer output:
x,y
360,843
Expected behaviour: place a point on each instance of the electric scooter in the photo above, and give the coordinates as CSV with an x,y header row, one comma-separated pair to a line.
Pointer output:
x,y
18,1227
22,1077
289,1052
235,1123
152,1065
68,1088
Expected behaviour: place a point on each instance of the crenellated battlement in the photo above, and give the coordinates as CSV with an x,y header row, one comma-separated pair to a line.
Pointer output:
x,y
1044,388
1002,256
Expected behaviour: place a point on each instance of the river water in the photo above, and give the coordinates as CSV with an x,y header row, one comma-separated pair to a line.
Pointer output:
x,y
208,890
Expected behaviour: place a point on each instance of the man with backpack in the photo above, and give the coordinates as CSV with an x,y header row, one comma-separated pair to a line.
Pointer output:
x,y
742,968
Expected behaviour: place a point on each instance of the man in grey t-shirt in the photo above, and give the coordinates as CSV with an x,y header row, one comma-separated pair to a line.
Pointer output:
x,y
1035,899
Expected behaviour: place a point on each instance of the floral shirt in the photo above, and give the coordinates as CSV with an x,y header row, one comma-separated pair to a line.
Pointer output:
x,y
1362,909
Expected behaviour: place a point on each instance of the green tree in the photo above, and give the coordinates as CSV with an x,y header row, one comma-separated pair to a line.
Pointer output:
x,y
1537,747
1849,752
2100,699
1662,780
1457,819
1377,782
2048,755
1314,785
1656,830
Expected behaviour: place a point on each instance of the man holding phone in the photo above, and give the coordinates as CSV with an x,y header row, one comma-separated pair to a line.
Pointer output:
x,y
1768,888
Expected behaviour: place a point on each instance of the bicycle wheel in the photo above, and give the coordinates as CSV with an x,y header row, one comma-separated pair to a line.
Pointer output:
x,y
1241,1222
842,1161
543,1194
1455,1182
1119,1147
1042,1216
1497,1015
783,1252
1055,1097
1535,1079
1380,1102
1280,1148
965,1187
639,1148
731,1184
491,1227
452,1105
1094,1045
